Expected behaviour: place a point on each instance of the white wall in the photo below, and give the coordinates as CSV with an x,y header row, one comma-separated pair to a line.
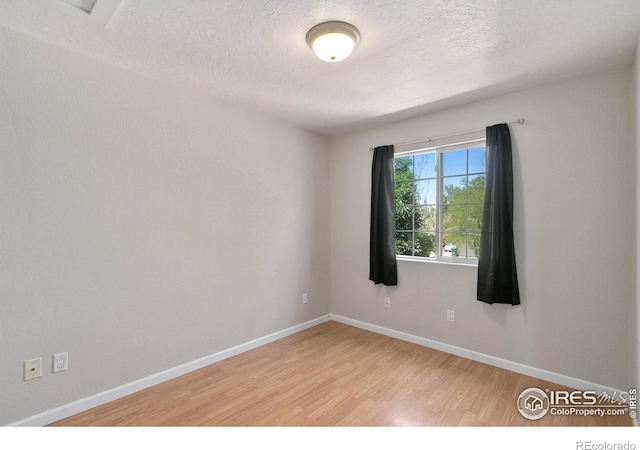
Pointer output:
x,y
574,169
143,226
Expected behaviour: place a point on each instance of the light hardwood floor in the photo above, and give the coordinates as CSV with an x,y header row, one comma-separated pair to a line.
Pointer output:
x,y
335,375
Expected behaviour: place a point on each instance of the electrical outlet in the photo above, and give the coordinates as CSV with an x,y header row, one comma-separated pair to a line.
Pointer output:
x,y
451,315
305,298
387,303
32,368
60,362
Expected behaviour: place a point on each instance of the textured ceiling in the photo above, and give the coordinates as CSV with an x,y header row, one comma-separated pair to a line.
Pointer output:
x,y
414,55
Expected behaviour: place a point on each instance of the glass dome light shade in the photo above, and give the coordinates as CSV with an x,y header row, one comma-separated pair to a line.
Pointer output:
x,y
333,41
333,47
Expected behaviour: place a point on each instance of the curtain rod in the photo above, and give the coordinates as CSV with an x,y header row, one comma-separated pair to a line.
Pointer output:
x,y
429,139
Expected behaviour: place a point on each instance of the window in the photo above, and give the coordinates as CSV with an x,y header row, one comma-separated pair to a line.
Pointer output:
x,y
439,197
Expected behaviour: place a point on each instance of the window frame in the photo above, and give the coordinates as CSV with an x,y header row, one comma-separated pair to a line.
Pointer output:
x,y
439,151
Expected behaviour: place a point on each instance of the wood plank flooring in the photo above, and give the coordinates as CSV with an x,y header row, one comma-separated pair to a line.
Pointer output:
x,y
335,375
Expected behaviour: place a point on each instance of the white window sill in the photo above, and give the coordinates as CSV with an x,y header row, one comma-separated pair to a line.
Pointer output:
x,y
445,261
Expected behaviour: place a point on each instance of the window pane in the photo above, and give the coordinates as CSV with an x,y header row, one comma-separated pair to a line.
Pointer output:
x,y
404,243
454,163
454,190
404,193
426,192
425,245
454,218
404,217
474,218
453,244
404,168
476,160
425,165
425,218
473,246
475,191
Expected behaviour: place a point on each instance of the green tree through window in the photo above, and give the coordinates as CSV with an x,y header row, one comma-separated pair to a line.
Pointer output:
x,y
462,214
415,235
439,206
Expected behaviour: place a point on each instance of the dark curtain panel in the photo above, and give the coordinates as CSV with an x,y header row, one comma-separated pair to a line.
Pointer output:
x,y
382,244
497,277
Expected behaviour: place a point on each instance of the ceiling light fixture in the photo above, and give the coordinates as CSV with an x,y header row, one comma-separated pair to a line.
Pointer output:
x,y
333,41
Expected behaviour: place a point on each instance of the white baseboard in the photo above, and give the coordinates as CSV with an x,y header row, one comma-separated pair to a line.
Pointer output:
x,y
535,372
101,398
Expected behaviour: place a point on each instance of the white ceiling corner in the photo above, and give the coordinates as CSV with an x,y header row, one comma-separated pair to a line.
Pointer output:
x,y
97,13
414,56
84,5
